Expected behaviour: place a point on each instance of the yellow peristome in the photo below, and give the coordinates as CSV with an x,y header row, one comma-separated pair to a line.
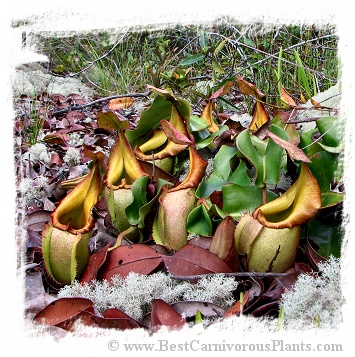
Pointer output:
x,y
296,206
73,213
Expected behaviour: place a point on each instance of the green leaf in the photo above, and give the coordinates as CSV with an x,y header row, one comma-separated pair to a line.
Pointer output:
x,y
331,129
191,59
207,141
328,237
272,158
208,186
239,199
248,42
150,118
184,108
202,39
301,74
139,208
245,146
332,198
222,166
219,47
240,176
199,222
197,123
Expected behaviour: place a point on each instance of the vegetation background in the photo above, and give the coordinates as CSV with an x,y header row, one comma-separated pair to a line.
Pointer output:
x,y
315,13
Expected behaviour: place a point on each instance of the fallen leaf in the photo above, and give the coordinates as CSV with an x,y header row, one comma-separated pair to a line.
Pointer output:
x,y
287,99
248,88
120,103
193,260
37,220
61,310
95,262
138,258
222,91
164,315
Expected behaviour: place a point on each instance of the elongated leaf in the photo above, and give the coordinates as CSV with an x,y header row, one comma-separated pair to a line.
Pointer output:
x,y
301,74
200,144
191,59
196,172
95,262
194,260
240,176
331,129
122,260
37,220
222,166
88,318
174,134
61,310
208,186
157,139
178,132
293,151
223,90
287,99
245,146
197,123
328,237
165,93
207,116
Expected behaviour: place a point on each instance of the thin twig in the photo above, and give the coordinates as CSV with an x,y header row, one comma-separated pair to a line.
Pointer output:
x,y
306,120
78,107
236,274
100,58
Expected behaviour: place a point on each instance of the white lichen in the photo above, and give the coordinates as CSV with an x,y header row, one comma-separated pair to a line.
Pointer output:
x,y
315,299
135,293
72,157
184,170
75,139
209,167
32,191
38,152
